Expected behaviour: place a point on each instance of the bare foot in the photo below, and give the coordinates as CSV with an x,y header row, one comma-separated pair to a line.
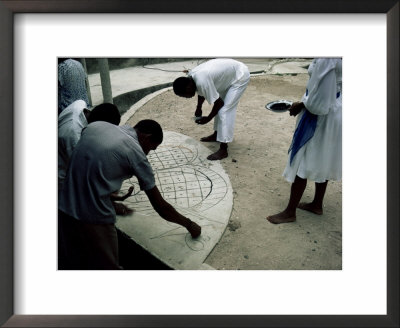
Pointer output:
x,y
310,207
220,154
210,138
282,217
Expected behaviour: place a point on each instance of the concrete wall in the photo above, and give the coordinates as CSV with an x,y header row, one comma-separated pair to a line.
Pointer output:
x,y
118,63
126,100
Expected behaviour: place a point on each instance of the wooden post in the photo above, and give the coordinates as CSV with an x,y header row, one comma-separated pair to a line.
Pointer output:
x,y
83,62
105,80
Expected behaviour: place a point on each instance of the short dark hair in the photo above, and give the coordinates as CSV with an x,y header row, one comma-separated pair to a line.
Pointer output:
x,y
180,85
151,127
105,112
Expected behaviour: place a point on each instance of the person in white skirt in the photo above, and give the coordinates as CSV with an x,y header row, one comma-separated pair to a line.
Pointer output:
x,y
316,150
221,82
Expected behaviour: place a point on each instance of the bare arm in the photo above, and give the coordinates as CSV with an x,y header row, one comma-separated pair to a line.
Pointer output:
x,y
296,108
218,104
200,101
121,209
167,212
115,197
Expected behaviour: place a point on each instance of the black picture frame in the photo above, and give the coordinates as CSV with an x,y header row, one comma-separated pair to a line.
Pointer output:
x,y
11,7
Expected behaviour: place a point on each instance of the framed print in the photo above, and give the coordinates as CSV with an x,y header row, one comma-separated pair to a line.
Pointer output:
x,y
30,298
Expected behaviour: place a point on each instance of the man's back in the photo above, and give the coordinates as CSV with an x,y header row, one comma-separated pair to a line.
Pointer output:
x,y
214,77
104,157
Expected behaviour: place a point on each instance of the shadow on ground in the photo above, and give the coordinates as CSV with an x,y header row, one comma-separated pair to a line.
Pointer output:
x,y
133,257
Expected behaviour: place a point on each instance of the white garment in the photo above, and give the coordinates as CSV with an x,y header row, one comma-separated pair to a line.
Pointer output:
x,y
226,79
320,159
71,121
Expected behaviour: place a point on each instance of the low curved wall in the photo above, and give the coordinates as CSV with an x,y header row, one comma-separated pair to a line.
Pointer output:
x,y
127,100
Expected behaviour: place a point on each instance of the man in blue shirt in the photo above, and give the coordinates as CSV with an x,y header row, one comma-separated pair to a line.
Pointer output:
x,y
104,157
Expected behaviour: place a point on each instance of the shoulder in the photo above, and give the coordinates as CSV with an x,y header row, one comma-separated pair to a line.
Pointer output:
x,y
128,131
325,64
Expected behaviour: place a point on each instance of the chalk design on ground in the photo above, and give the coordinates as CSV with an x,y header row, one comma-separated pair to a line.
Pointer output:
x,y
196,187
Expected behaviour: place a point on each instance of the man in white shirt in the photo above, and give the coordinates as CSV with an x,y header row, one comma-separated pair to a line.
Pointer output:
x,y
104,157
221,82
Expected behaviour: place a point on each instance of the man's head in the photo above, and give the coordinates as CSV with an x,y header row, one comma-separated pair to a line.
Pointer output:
x,y
184,87
104,112
150,134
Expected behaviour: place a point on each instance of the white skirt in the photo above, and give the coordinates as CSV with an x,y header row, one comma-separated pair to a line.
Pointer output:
x,y
320,159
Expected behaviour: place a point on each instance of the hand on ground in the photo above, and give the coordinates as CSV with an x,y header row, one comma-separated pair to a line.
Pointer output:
x,y
202,120
194,229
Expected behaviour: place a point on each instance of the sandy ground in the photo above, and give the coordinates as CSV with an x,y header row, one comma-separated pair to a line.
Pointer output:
x,y
257,157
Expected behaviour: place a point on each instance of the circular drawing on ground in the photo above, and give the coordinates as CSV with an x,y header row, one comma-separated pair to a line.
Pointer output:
x,y
186,187
168,156
197,188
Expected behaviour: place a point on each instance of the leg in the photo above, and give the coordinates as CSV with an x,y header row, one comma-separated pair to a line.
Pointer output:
x,y
72,255
224,121
221,153
101,244
87,246
289,214
210,138
62,253
316,205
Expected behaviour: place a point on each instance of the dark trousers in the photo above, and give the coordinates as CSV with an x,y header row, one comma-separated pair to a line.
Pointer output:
x,y
86,246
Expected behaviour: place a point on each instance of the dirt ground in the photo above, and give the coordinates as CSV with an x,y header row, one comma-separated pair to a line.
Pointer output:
x,y
256,160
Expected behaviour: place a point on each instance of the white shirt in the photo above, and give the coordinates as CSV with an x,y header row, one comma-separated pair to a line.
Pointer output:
x,y
104,157
71,121
214,77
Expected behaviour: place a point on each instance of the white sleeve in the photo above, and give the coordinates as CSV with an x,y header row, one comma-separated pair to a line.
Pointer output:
x,y
70,143
321,90
206,88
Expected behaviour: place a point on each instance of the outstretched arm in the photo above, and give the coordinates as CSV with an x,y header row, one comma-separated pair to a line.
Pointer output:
x,y
218,104
167,212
